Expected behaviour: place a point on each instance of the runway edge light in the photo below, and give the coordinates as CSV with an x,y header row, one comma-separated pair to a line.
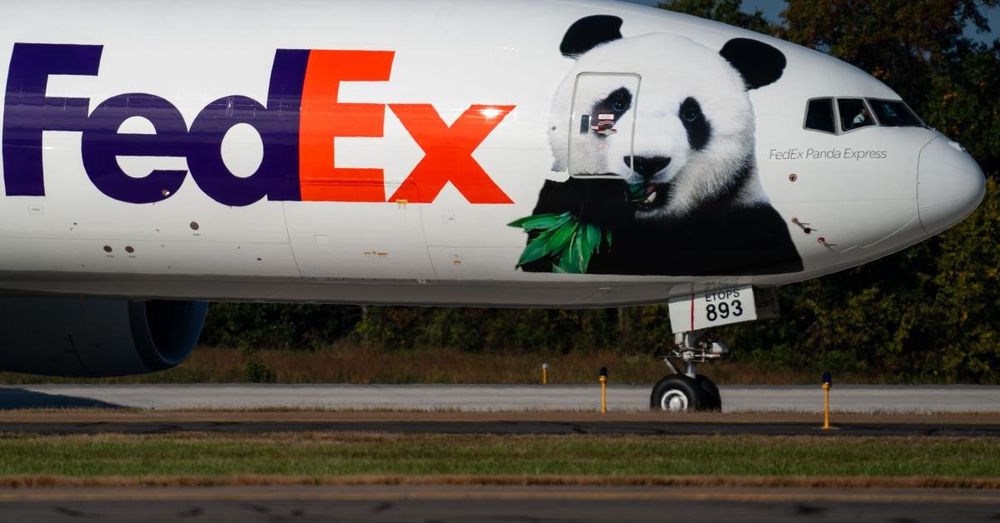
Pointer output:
x,y
827,383
604,390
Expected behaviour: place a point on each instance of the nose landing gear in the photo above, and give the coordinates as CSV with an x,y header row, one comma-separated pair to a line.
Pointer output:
x,y
688,391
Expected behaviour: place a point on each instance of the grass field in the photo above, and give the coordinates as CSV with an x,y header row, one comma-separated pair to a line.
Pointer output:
x,y
313,458
347,363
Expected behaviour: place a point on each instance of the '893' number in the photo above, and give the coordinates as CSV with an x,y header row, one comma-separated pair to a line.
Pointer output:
x,y
723,310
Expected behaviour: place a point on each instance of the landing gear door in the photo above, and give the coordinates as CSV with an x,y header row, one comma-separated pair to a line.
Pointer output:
x,y
602,125
724,306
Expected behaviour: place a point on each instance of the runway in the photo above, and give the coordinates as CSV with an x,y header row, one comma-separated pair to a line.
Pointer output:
x,y
203,410
498,504
62,422
493,398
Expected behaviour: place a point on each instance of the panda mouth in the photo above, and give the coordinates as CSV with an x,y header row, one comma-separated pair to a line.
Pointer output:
x,y
649,195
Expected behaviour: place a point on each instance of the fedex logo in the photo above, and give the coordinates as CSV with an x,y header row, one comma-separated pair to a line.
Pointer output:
x,y
297,125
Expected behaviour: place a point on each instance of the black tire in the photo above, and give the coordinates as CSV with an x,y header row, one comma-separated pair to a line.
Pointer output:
x,y
676,393
711,399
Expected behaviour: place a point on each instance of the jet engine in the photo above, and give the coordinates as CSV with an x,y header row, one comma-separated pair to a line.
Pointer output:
x,y
96,337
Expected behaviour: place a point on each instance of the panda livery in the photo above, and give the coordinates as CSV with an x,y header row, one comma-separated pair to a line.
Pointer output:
x,y
678,193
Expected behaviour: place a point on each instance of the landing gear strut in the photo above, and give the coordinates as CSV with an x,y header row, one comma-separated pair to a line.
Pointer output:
x,y
688,391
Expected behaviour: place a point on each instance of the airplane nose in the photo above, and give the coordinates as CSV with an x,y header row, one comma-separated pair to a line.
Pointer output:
x,y
950,185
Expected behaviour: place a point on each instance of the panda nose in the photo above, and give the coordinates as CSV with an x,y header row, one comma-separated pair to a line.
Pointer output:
x,y
647,166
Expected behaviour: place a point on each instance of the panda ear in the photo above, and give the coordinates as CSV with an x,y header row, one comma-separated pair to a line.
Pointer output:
x,y
588,33
760,64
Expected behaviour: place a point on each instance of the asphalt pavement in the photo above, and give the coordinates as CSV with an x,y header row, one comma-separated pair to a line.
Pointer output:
x,y
493,398
498,504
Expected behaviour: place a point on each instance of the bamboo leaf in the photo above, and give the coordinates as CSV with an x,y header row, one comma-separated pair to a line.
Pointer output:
x,y
588,242
637,192
536,249
570,259
550,241
581,253
561,237
539,221
533,251
593,237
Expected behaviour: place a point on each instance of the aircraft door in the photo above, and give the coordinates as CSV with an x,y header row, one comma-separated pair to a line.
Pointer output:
x,y
602,125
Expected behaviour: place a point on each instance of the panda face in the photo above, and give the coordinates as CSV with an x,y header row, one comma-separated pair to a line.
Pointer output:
x,y
680,131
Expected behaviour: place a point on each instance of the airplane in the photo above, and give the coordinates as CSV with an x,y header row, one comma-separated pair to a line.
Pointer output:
x,y
543,153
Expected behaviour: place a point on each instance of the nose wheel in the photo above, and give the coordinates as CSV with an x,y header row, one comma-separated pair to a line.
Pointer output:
x,y
681,393
688,391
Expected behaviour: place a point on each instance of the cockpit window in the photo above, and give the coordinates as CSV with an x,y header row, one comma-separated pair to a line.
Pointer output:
x,y
854,114
822,114
819,116
894,114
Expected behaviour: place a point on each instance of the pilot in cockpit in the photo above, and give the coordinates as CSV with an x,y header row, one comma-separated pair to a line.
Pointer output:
x,y
863,118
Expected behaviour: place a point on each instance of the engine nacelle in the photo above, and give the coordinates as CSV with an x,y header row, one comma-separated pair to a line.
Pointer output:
x,y
95,337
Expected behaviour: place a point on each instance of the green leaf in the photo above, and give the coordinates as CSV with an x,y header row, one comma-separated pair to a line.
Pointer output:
x,y
560,237
571,259
550,241
578,253
535,250
593,233
607,237
539,221
588,243
637,192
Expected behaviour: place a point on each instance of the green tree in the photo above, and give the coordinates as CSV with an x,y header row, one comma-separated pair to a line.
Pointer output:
x,y
918,48
966,304
725,11
279,326
478,329
962,104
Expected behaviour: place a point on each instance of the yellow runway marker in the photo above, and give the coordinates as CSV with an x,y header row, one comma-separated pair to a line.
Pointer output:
x,y
827,383
604,390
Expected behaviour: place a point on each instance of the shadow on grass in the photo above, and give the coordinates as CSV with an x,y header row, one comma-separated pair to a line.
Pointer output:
x,y
18,399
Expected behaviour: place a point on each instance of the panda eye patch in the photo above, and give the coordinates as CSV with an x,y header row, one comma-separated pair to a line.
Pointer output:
x,y
697,126
691,110
619,101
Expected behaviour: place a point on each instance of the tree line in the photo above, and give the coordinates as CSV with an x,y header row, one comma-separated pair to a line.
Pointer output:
x,y
927,313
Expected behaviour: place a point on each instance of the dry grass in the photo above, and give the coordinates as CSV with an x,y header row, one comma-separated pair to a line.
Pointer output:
x,y
250,480
348,363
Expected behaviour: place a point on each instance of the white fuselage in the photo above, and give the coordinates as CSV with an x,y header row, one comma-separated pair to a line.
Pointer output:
x,y
374,213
